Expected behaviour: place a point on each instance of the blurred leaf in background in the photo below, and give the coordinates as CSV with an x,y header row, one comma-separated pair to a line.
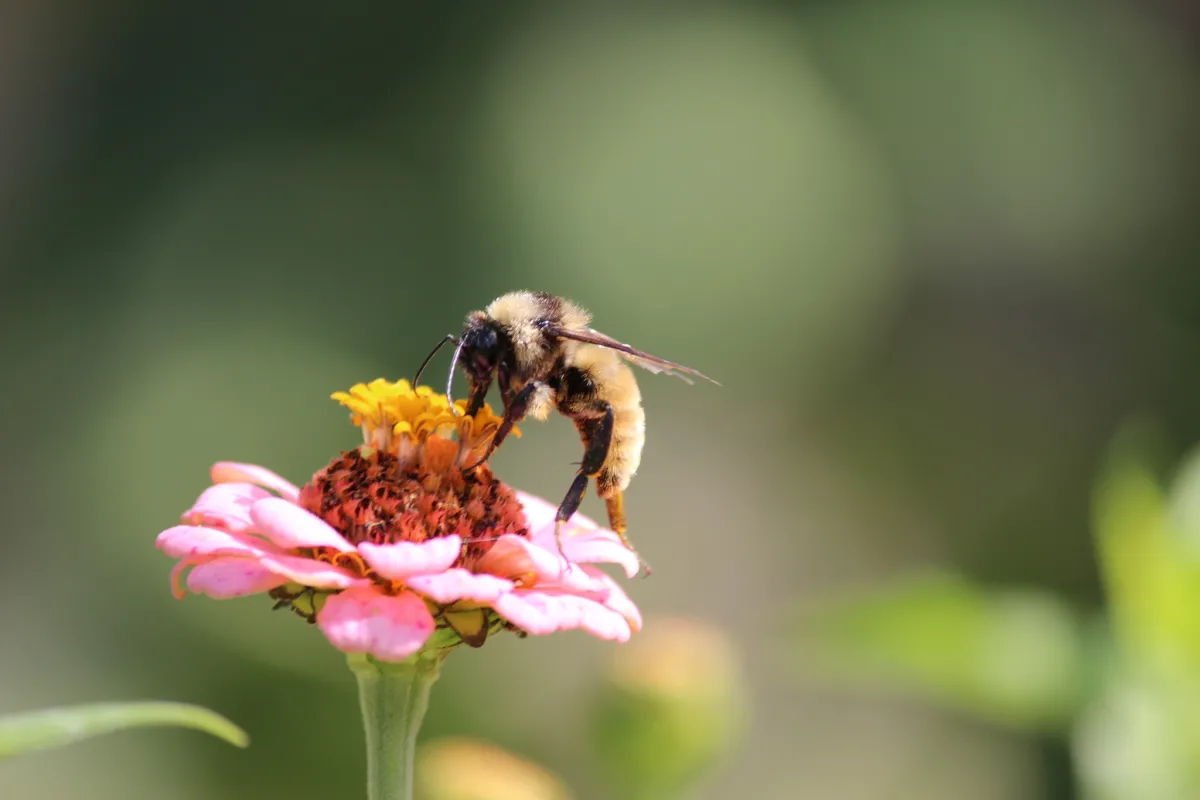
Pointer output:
x,y
1151,571
55,727
1013,657
1127,696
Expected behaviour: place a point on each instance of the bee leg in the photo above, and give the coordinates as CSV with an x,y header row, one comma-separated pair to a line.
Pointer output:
x,y
615,505
568,507
596,433
513,413
478,393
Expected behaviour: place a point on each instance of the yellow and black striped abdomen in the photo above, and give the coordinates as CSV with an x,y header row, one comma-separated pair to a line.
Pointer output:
x,y
595,380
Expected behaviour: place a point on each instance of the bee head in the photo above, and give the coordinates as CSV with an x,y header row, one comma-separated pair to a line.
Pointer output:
x,y
480,351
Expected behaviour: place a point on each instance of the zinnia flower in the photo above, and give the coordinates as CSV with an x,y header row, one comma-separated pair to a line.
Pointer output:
x,y
392,548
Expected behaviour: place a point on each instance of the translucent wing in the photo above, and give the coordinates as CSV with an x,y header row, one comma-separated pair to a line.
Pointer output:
x,y
631,354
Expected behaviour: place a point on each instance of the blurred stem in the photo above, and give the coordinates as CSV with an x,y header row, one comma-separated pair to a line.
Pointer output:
x,y
393,698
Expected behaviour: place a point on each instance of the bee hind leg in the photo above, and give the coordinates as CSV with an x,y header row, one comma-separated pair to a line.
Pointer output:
x,y
615,504
595,425
596,430
568,507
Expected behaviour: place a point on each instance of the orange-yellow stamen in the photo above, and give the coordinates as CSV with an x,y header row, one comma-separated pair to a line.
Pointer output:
x,y
401,420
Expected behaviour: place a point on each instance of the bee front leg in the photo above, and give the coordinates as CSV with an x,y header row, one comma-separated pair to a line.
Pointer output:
x,y
514,412
479,391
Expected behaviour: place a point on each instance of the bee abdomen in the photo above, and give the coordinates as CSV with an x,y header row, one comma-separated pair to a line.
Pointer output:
x,y
625,453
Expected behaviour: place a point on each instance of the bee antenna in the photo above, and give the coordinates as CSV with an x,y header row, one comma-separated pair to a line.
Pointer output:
x,y
458,346
449,337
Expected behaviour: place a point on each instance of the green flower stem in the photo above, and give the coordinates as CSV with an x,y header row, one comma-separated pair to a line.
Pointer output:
x,y
393,698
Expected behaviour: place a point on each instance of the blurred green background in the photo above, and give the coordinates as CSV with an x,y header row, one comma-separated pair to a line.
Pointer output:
x,y
936,251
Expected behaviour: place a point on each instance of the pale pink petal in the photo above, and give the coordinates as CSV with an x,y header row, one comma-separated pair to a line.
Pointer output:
x,y
538,512
600,546
310,572
516,557
459,584
198,545
513,556
583,541
187,541
226,577
616,599
575,580
290,526
540,613
364,620
233,472
226,505
402,559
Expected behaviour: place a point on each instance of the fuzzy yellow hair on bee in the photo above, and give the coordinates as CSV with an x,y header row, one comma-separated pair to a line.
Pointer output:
x,y
543,355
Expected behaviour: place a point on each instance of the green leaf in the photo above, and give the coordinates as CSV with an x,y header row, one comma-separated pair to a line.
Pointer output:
x,y
1015,657
1140,738
38,730
1184,500
1151,572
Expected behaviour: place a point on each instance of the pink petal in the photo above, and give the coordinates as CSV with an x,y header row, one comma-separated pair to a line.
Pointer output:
x,y
576,581
196,545
538,512
403,559
310,572
583,541
226,505
290,526
540,613
364,620
616,599
600,546
233,472
514,556
459,584
188,541
226,577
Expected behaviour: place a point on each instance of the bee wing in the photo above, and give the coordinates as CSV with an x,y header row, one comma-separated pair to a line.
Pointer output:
x,y
631,354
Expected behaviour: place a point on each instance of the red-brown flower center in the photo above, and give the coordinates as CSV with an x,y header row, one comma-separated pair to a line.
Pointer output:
x,y
368,497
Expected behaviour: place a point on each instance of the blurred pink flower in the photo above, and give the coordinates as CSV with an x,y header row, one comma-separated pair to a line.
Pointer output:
x,y
392,548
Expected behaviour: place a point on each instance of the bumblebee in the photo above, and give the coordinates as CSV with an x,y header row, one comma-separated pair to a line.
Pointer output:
x,y
542,353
